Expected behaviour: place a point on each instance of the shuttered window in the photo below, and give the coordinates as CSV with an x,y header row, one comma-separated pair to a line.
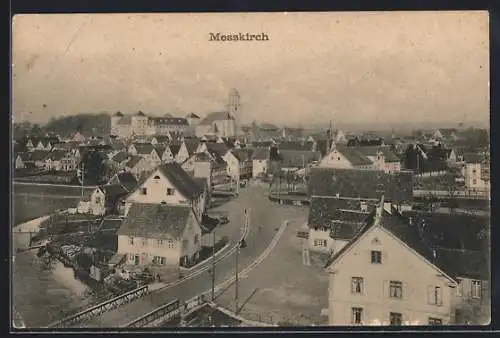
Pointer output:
x,y
434,295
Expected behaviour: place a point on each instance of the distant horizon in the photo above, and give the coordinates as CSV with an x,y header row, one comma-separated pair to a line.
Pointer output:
x,y
344,66
349,126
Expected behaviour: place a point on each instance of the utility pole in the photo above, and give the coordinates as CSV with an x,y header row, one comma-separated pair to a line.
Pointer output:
x,y
82,174
236,294
236,305
213,266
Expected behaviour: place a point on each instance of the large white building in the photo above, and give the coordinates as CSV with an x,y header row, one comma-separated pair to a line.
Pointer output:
x,y
125,126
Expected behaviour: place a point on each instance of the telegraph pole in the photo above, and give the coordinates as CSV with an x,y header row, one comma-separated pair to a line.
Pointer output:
x,y
236,294
82,175
213,266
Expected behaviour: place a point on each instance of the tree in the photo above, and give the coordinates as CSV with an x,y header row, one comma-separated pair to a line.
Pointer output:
x,y
93,164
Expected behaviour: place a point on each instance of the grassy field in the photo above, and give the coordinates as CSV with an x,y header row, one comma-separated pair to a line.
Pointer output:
x,y
32,201
281,290
26,208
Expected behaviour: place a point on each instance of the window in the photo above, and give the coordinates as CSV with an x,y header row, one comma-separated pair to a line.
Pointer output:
x,y
159,242
473,171
97,200
338,158
474,181
395,318
171,244
131,240
196,239
395,289
162,260
144,191
435,321
476,289
437,295
364,206
320,242
376,257
356,315
170,191
357,284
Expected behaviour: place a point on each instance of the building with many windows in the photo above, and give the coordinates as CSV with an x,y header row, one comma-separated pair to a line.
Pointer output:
x,y
397,272
127,126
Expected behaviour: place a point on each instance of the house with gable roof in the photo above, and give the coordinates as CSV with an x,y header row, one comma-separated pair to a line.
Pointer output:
x,y
260,162
160,235
168,184
376,158
393,273
217,123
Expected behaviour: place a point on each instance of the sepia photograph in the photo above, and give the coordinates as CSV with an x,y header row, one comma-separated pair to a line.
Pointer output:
x,y
246,170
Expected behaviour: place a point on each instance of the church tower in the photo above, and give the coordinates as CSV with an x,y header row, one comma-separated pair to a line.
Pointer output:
x,y
233,108
234,103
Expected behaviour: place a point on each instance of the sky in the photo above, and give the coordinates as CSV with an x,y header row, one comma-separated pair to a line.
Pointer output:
x,y
370,67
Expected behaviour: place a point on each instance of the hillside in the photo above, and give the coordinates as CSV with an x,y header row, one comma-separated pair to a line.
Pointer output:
x,y
87,124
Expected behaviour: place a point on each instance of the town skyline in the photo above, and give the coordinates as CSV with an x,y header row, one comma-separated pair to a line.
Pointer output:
x,y
416,72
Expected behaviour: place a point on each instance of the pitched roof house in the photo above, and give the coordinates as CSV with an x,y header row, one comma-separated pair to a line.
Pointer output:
x,y
171,185
409,279
397,187
157,234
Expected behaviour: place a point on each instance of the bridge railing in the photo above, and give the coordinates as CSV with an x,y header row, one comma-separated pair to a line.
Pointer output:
x,y
164,312
101,308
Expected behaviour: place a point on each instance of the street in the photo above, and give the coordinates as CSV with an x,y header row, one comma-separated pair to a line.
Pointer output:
x,y
265,219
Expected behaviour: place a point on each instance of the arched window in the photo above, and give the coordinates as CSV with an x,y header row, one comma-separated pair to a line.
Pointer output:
x,y
156,177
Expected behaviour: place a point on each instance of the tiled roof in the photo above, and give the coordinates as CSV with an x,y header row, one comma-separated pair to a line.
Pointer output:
x,y
354,156
57,155
342,217
39,155
216,116
296,145
192,116
201,182
126,179
372,151
473,158
364,184
454,231
191,145
260,153
160,150
208,224
155,221
220,148
242,154
113,192
134,160
174,148
120,157
143,148
169,121
180,180
297,158
162,138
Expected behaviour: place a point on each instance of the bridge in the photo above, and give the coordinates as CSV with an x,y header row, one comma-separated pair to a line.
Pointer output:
x,y
99,309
